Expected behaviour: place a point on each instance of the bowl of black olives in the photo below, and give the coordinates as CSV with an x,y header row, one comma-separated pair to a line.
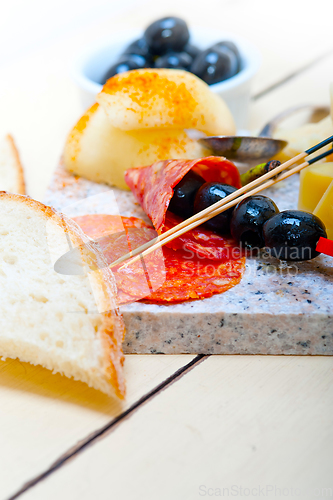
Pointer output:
x,y
227,63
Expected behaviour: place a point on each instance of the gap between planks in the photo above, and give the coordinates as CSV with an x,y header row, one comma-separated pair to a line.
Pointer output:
x,y
106,429
291,76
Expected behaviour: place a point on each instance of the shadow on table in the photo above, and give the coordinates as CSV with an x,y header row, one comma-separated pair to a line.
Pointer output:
x,y
43,384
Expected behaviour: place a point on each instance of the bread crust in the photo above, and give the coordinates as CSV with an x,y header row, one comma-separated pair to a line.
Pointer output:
x,y
21,188
112,330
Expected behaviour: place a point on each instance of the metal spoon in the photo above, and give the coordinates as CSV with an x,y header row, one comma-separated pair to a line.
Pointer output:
x,y
254,150
250,150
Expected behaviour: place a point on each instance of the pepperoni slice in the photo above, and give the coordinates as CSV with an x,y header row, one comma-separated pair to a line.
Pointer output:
x,y
188,279
165,276
202,243
153,185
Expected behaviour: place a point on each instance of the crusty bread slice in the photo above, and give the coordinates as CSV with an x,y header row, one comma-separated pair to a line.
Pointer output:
x,y
11,171
66,323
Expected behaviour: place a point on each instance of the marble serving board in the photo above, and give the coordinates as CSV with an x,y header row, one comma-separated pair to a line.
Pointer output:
x,y
277,308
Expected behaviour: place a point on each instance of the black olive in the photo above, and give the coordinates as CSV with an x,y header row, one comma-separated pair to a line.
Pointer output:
x,y
184,193
191,50
215,65
175,60
293,235
126,62
233,47
248,219
139,47
208,194
166,34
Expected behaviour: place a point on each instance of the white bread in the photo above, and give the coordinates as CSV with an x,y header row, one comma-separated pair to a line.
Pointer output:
x,y
51,319
100,152
11,171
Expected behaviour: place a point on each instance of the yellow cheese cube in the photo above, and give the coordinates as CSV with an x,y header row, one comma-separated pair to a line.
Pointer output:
x,y
324,210
315,179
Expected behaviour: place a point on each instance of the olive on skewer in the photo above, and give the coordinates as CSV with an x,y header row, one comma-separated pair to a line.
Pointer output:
x,y
248,218
255,222
207,195
293,235
184,193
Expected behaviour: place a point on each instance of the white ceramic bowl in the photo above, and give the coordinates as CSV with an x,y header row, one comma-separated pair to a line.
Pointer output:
x,y
92,64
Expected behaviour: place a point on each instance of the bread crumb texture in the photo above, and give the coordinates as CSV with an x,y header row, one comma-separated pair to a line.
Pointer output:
x,y
68,324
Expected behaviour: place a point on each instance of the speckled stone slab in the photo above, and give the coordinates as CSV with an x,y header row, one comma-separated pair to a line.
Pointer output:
x,y
276,309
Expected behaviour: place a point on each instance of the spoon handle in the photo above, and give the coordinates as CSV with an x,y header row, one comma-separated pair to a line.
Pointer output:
x,y
271,126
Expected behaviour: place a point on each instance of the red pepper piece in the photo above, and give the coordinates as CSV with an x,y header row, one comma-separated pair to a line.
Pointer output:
x,y
325,246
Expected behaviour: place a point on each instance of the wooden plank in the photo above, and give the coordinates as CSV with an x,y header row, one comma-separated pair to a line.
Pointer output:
x,y
309,87
43,415
232,422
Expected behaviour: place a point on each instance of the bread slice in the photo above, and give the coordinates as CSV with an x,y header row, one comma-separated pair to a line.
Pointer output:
x,y
66,323
11,171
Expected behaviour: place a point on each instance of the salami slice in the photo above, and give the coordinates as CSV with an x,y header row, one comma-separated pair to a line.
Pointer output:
x,y
188,279
179,276
153,185
202,243
97,226
116,237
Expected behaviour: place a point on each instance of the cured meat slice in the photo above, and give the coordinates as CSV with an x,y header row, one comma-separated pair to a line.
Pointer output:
x,y
202,243
188,279
118,236
153,185
176,277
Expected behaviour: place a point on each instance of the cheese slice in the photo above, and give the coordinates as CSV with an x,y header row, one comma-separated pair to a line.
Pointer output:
x,y
314,181
324,210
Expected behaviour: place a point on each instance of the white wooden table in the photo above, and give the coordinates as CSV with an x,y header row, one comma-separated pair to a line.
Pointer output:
x,y
190,427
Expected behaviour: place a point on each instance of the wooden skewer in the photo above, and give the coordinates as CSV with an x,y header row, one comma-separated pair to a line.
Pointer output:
x,y
208,210
176,234
228,202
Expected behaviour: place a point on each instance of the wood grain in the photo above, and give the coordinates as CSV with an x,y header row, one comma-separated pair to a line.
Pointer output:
x,y
308,87
233,421
42,415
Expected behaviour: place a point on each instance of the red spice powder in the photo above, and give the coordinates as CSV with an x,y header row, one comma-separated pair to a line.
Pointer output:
x,y
145,88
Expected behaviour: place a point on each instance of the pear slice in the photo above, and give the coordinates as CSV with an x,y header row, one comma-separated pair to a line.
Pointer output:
x,y
164,98
100,152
